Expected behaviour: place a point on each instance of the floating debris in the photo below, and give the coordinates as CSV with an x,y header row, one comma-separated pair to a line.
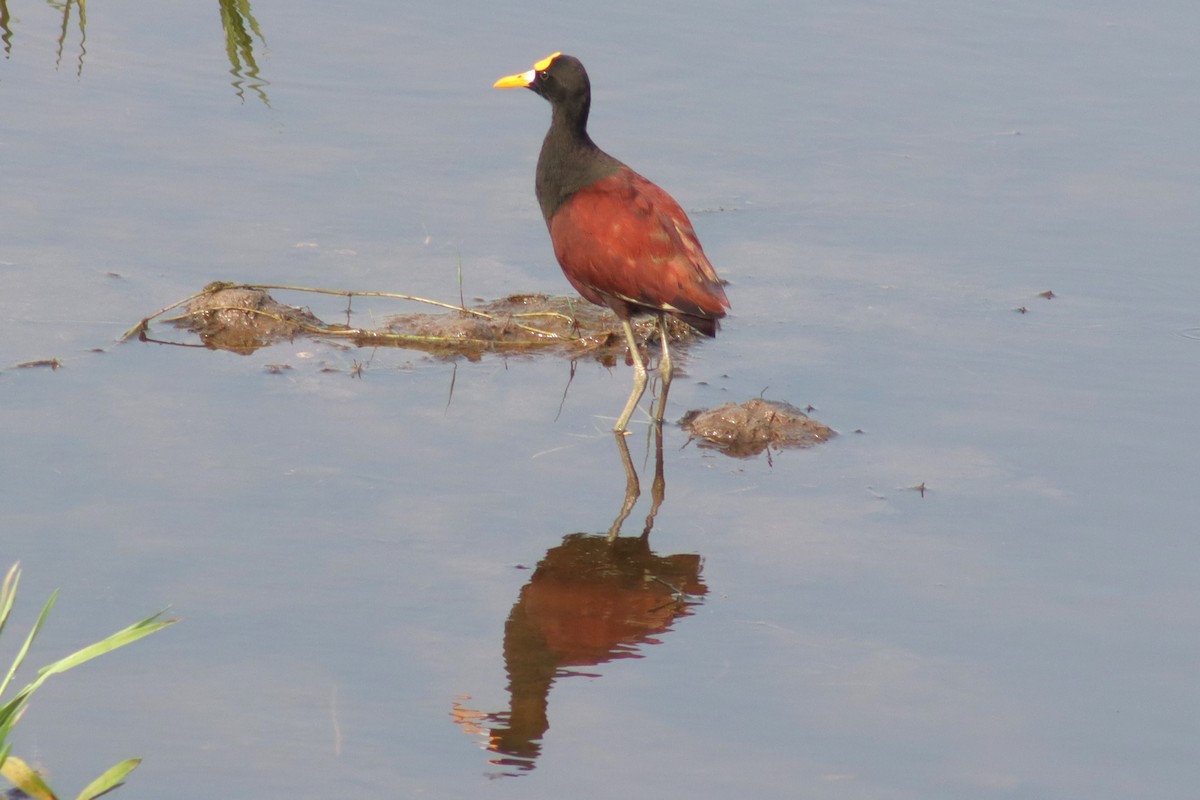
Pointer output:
x,y
244,318
750,428
52,363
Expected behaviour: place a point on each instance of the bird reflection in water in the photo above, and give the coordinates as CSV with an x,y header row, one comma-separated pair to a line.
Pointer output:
x,y
592,599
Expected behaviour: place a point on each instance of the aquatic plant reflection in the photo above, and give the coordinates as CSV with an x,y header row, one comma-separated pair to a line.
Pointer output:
x,y
66,24
5,30
239,23
592,599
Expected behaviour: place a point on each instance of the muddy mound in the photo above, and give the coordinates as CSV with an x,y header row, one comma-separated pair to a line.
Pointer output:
x,y
750,428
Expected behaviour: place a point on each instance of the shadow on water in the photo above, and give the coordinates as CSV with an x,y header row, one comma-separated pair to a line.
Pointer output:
x,y
592,599
237,21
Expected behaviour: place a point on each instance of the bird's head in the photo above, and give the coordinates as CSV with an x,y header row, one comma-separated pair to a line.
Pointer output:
x,y
559,78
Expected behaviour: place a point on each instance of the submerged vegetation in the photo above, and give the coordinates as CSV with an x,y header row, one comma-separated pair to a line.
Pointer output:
x,y
20,774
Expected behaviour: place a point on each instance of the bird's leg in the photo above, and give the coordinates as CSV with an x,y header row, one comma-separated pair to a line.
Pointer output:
x,y
664,368
639,378
664,361
633,489
658,489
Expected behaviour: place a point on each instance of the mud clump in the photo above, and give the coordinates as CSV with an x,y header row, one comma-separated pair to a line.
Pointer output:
x,y
244,318
750,428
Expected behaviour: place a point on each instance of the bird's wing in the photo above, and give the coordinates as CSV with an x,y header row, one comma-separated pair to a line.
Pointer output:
x,y
624,237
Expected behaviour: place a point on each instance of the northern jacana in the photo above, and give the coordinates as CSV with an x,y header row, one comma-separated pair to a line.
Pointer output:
x,y
622,241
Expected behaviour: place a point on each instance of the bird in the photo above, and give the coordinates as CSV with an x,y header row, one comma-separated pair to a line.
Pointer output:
x,y
621,241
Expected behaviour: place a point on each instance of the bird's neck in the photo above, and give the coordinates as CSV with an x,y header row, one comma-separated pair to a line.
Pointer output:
x,y
569,161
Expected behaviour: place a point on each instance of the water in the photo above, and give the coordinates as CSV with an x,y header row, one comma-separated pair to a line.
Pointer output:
x,y
882,185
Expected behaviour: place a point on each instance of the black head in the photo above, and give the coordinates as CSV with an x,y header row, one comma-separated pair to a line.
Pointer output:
x,y
560,79
563,80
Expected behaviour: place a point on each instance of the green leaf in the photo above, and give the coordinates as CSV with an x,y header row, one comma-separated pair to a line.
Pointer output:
x,y
110,780
8,592
8,720
119,639
14,769
33,632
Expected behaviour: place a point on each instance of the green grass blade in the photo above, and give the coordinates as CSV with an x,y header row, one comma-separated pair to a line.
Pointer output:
x,y
8,719
8,593
33,632
16,770
121,638
110,780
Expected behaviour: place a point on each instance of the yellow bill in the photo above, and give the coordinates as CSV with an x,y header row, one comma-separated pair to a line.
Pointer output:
x,y
525,78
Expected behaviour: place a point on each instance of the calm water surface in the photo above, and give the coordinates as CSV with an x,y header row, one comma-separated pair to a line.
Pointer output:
x,y
369,570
